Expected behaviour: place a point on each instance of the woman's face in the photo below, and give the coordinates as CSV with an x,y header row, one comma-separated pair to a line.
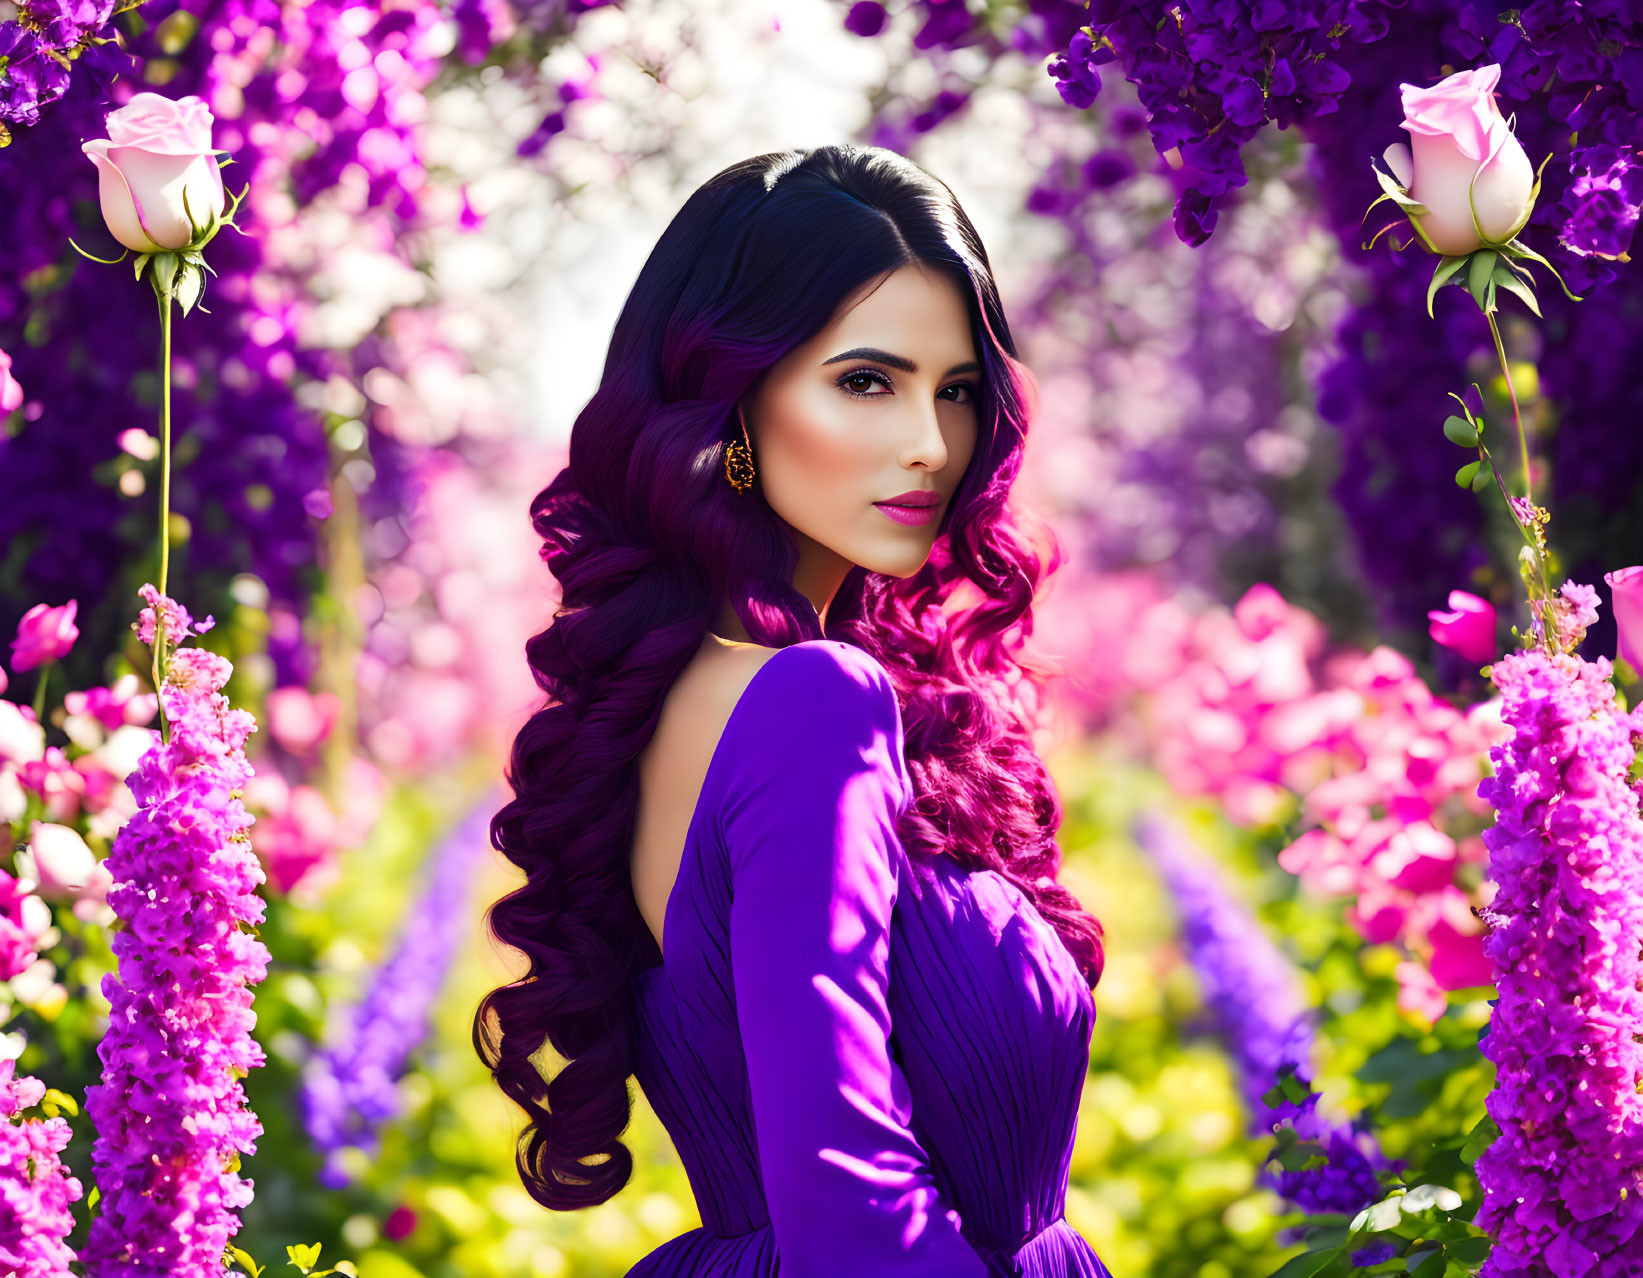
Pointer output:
x,y
880,404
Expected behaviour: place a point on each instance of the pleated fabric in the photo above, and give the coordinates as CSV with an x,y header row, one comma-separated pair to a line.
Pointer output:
x,y
869,1063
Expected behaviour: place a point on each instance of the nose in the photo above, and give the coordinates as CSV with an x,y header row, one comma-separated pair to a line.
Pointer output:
x,y
924,444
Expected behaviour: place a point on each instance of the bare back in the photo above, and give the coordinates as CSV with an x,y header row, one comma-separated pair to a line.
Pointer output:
x,y
673,766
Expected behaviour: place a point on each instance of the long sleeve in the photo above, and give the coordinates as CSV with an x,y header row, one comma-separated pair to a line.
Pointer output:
x,y
809,824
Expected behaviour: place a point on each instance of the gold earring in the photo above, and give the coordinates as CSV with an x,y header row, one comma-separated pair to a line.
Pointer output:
x,y
739,461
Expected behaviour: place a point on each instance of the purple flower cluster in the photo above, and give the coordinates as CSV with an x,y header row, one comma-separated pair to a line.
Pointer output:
x,y
1254,1000
35,1187
38,48
170,1110
1212,74
350,1089
1563,1184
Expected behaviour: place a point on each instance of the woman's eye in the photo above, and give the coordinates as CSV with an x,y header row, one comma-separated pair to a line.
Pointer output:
x,y
967,392
862,381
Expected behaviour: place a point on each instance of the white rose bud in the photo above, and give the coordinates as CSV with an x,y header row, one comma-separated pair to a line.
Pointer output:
x,y
1465,157
157,150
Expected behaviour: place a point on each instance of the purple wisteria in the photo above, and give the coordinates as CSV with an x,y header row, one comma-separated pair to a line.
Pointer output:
x,y
1254,1000
35,1187
350,1089
170,1110
1563,1184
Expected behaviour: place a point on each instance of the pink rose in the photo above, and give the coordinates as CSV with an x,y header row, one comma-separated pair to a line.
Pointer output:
x,y
1627,585
44,634
157,150
1464,156
1468,627
11,394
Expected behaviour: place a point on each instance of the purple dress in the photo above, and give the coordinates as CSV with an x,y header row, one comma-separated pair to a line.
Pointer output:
x,y
870,1063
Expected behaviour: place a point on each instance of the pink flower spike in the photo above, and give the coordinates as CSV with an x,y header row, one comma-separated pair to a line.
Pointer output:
x,y
1627,585
44,634
1468,628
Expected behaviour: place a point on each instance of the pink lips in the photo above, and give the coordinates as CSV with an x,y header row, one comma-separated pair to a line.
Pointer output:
x,y
916,507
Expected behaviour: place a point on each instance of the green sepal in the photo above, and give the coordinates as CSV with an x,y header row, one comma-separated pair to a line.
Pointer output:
x,y
1460,431
1534,194
190,284
1506,276
1467,473
1390,187
137,266
106,261
1517,248
165,272
1446,268
1480,279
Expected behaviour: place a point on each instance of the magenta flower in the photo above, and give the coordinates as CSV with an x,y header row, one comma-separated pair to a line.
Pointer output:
x,y
24,921
35,1188
114,706
1467,628
170,1111
11,394
1561,1182
44,634
1627,585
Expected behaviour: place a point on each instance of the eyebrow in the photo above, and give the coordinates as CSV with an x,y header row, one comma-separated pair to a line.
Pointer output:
x,y
895,361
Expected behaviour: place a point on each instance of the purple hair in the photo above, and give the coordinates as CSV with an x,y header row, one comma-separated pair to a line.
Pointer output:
x,y
647,540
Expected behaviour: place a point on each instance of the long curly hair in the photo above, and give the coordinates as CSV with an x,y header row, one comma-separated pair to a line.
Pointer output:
x,y
647,541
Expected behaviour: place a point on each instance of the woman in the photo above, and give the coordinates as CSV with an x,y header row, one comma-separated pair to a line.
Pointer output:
x,y
790,856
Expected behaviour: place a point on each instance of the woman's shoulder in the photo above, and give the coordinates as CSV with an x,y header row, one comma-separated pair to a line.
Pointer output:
x,y
818,672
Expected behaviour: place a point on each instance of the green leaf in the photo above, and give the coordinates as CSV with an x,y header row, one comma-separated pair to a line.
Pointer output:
x,y
1485,1134
1483,478
1446,267
1466,411
1466,474
1460,431
1298,1155
1432,1267
1471,1251
1478,276
1294,1089
1307,1265
1272,1096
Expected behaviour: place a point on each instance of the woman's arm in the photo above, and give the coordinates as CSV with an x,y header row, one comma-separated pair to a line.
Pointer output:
x,y
809,822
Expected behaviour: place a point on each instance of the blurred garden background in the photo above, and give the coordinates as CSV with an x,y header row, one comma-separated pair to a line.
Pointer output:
x,y
1268,750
